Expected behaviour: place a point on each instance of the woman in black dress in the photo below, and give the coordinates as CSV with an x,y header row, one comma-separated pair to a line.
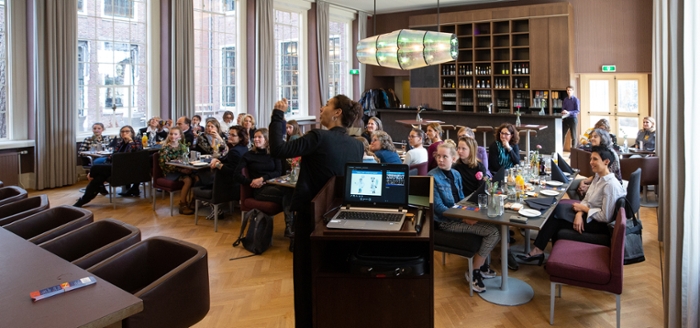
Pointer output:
x,y
323,155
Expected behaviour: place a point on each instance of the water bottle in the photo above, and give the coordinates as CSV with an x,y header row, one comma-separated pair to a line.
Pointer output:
x,y
625,147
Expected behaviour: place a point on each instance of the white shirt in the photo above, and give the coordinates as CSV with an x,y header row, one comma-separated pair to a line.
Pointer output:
x,y
416,156
601,197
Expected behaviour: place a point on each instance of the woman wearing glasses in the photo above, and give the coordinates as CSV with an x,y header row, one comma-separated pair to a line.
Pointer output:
x,y
418,154
504,152
101,172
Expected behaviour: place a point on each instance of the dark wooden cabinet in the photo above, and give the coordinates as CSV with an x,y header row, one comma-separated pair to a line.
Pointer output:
x,y
505,55
343,298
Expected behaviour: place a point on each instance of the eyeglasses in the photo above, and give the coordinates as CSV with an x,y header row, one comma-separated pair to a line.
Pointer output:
x,y
505,133
413,136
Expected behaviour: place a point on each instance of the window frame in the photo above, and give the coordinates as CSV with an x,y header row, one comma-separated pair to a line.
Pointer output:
x,y
224,81
6,112
103,14
301,8
344,16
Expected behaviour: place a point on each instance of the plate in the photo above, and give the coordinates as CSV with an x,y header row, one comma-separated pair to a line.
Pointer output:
x,y
549,192
199,163
531,193
529,212
554,183
104,152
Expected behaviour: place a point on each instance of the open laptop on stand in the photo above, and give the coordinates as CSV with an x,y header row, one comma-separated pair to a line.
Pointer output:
x,y
375,197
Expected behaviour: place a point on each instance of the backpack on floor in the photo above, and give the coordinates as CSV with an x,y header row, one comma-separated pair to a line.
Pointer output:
x,y
258,237
634,247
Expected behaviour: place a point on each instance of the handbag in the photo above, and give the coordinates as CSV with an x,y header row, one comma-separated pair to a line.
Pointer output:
x,y
258,237
634,246
387,260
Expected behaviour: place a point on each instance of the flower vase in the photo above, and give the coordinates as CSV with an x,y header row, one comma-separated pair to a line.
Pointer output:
x,y
494,205
294,174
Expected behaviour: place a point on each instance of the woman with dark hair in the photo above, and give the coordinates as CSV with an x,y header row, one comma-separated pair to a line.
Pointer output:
x,y
196,127
226,120
504,152
592,214
293,131
374,124
212,140
101,172
434,133
323,155
174,148
418,154
471,169
383,148
599,137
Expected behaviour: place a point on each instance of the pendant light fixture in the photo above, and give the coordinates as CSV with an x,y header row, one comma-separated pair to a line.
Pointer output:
x,y
407,49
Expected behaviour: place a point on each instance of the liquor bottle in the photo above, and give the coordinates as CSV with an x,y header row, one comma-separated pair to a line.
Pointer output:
x,y
527,69
515,84
526,85
488,83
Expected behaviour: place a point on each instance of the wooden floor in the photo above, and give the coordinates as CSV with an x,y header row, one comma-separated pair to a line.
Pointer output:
x,y
257,291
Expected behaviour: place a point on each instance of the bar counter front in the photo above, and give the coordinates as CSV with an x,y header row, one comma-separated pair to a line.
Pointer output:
x,y
549,138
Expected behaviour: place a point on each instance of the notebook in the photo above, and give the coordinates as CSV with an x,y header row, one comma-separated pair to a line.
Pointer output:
x,y
375,197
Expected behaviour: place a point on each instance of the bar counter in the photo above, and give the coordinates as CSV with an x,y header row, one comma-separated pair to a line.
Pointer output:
x,y
549,138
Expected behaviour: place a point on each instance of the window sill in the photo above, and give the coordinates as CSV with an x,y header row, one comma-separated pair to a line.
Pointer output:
x,y
13,144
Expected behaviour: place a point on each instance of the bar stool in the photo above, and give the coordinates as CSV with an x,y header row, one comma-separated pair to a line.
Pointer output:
x,y
527,133
447,128
484,130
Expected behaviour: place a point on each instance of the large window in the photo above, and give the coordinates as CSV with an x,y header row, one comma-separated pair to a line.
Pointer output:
x,y
112,70
3,71
215,39
339,58
290,56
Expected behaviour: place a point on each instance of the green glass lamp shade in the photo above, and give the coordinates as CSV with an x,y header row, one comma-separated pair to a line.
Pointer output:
x,y
408,49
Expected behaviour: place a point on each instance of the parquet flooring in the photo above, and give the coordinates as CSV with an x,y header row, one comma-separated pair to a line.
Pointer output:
x,y
258,292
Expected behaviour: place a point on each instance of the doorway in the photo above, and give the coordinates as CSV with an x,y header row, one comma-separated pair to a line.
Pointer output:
x,y
623,99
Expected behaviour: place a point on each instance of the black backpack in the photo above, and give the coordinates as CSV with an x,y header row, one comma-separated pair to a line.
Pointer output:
x,y
634,247
258,238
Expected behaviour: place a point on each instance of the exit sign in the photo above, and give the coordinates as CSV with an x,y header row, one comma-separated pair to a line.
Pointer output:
x,y
608,68
354,72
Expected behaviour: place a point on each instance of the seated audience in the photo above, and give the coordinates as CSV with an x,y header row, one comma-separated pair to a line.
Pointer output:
x,y
154,131
293,131
434,133
237,142
647,135
197,128
577,188
184,124
249,126
504,152
448,191
417,154
101,172
368,156
373,124
174,148
262,167
96,140
468,166
211,142
592,214
481,154
383,148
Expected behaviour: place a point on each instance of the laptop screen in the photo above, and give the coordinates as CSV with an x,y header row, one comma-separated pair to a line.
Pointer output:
x,y
376,184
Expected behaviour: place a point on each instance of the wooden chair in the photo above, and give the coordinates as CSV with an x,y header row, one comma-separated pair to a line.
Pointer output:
x,y
588,265
484,130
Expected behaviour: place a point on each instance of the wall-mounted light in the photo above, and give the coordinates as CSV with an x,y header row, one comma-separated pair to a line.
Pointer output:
x,y
408,49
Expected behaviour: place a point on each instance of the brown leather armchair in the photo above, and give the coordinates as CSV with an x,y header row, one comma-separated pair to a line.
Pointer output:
x,y
650,174
91,244
170,276
11,194
50,223
581,159
23,208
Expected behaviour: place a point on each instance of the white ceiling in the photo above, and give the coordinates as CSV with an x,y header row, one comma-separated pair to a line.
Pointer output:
x,y
391,6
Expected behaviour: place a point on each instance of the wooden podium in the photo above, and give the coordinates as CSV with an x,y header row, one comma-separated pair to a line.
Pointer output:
x,y
342,298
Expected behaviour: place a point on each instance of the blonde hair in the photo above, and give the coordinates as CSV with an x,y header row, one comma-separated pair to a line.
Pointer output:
x,y
365,144
436,127
471,144
167,140
653,123
450,145
467,130
252,120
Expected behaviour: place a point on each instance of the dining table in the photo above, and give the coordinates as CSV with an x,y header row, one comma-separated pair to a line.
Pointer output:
x,y
27,267
506,290
283,181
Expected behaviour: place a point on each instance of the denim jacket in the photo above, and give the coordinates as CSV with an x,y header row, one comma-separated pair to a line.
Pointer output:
x,y
442,198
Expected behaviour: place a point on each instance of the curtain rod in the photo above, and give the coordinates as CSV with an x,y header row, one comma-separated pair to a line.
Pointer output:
x,y
341,6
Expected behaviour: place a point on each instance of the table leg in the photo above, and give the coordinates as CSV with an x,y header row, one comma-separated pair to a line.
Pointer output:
x,y
527,241
484,134
504,290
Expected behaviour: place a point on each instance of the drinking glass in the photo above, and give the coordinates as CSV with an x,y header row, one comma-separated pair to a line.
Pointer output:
x,y
543,181
555,158
483,200
403,146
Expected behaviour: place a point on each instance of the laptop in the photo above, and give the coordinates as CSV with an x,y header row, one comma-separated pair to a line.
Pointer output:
x,y
375,197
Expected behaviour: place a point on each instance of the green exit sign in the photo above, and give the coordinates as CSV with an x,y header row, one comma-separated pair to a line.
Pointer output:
x,y
608,68
354,72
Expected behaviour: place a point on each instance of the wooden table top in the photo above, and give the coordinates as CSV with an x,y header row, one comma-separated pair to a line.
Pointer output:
x,y
423,122
27,267
535,223
189,166
282,181
531,127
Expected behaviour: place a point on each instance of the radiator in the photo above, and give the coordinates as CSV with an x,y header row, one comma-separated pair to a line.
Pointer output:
x,y
9,168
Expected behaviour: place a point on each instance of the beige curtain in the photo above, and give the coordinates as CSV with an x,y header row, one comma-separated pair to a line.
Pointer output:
x,y
183,59
676,80
265,65
322,40
55,84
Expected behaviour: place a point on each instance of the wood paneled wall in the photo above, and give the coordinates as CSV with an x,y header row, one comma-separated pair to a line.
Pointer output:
x,y
605,32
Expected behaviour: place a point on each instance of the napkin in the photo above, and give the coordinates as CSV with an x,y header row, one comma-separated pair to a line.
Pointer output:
x,y
474,197
558,175
540,204
500,175
564,166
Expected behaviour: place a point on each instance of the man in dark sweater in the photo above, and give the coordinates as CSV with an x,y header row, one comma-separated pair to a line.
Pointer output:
x,y
184,124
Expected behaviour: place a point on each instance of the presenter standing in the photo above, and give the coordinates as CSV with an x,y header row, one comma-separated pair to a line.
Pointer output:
x,y
570,109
